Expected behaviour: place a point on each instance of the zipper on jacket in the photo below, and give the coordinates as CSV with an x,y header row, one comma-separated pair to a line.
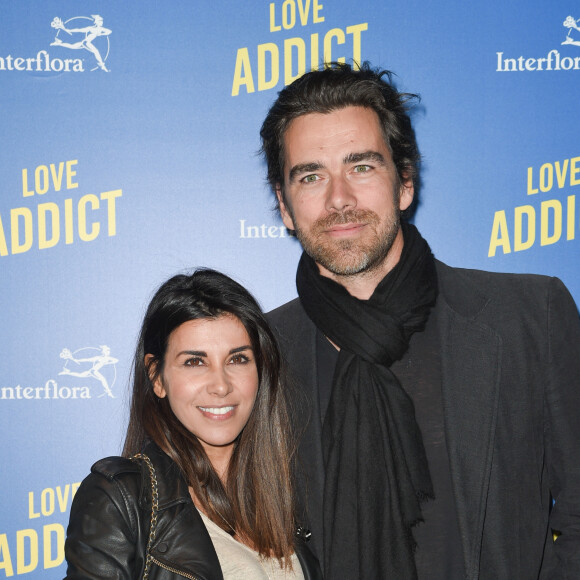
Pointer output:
x,y
174,570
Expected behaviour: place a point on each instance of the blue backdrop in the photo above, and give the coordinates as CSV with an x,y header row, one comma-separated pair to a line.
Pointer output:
x,y
130,132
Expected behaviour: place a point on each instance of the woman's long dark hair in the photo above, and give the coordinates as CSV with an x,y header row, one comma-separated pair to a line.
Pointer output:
x,y
257,499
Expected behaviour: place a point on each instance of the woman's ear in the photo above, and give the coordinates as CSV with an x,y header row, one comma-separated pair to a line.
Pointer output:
x,y
154,377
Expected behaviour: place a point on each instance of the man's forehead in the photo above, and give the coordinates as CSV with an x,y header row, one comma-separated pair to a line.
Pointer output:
x,y
328,129
350,111
343,135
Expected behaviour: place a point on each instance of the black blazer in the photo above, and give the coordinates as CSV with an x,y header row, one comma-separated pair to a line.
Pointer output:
x,y
510,365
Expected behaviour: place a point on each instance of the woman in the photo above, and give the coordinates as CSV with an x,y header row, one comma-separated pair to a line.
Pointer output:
x,y
203,490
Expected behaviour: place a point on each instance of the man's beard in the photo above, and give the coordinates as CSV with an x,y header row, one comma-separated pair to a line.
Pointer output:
x,y
353,256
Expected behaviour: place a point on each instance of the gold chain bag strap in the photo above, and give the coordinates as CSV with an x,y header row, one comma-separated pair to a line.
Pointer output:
x,y
154,509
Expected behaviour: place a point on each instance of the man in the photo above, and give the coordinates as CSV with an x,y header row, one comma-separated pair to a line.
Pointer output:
x,y
438,407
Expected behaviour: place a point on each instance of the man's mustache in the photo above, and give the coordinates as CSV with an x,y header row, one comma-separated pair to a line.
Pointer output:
x,y
350,216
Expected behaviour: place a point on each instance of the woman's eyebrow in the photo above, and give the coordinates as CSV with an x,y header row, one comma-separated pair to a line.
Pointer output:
x,y
240,349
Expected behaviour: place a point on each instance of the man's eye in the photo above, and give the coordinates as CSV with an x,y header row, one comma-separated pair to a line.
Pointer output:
x,y
310,178
362,168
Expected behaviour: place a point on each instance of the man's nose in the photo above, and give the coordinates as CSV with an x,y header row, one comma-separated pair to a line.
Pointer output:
x,y
340,195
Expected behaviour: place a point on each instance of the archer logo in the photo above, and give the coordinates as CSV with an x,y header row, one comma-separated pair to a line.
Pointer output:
x,y
572,37
91,363
77,34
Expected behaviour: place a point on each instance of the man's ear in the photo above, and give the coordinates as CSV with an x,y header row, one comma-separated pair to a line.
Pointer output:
x,y
406,193
154,377
284,213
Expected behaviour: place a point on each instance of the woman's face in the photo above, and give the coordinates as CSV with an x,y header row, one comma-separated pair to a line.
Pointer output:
x,y
211,380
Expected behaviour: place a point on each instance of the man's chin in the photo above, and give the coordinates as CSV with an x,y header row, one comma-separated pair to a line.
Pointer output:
x,y
343,265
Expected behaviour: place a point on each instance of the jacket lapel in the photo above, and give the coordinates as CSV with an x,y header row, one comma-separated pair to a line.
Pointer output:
x,y
470,366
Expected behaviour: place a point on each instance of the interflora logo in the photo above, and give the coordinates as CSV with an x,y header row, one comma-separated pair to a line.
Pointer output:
x,y
91,373
94,33
80,43
572,37
553,59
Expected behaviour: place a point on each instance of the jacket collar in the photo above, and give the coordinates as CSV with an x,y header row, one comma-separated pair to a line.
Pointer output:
x,y
461,293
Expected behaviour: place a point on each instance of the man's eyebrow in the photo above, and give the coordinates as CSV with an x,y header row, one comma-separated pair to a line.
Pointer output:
x,y
303,168
364,156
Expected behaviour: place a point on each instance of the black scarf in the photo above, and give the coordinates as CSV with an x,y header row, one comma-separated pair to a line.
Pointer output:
x,y
375,462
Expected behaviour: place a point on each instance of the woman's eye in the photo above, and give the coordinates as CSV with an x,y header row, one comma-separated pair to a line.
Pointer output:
x,y
239,359
194,362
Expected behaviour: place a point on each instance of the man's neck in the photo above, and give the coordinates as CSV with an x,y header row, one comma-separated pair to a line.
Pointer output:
x,y
363,285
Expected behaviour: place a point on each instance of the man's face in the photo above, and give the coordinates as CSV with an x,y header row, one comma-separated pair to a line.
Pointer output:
x,y
342,194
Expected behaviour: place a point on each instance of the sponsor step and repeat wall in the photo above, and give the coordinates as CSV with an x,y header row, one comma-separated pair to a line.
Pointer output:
x,y
129,153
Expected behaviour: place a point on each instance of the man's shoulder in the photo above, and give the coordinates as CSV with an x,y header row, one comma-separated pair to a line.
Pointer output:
x,y
292,326
285,310
452,273
489,282
471,291
288,317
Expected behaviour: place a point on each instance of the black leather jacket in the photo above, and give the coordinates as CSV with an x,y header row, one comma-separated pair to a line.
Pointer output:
x,y
110,520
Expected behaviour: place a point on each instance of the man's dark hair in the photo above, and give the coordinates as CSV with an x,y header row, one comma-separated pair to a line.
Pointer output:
x,y
337,86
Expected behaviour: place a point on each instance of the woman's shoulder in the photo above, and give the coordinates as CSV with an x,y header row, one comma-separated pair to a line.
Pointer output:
x,y
112,467
115,467
115,480
106,522
136,476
